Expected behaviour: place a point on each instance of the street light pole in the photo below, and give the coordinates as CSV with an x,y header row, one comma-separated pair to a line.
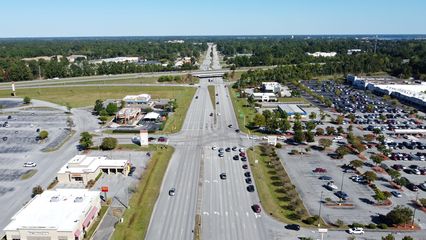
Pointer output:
x,y
341,186
319,213
414,213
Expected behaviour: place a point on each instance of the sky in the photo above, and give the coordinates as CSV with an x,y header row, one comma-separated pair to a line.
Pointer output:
x,y
71,18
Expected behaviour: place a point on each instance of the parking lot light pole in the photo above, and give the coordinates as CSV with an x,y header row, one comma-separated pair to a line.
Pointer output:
x,y
319,213
414,212
341,187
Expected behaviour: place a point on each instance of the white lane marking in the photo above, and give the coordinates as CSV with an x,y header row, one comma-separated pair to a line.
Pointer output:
x,y
215,181
226,213
247,214
257,215
206,181
217,213
236,214
205,213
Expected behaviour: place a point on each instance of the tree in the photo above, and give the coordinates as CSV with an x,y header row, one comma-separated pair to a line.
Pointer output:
x,y
388,237
381,196
299,136
377,131
37,190
399,215
342,151
111,108
27,100
380,138
310,137
285,124
312,116
99,106
267,114
108,143
393,173
103,119
310,125
356,163
86,140
377,159
340,130
297,116
319,132
370,176
259,120
330,130
407,238
103,112
325,143
350,128
339,119
369,137
43,134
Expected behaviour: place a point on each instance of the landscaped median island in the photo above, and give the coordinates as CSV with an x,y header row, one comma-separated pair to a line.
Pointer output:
x,y
212,94
137,217
278,196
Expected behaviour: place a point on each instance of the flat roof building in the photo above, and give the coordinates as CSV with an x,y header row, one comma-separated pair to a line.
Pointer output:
x,y
264,97
136,100
82,168
151,116
127,115
291,109
61,214
272,87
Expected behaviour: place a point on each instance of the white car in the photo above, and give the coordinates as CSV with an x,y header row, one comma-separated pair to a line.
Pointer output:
x,y
357,230
331,186
214,148
30,164
337,138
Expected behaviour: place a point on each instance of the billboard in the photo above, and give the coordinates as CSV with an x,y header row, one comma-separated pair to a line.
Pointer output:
x,y
144,137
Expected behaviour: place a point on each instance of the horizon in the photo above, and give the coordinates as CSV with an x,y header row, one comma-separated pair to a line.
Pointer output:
x,y
97,18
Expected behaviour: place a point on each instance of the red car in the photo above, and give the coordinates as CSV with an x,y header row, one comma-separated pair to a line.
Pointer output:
x,y
256,208
162,139
319,170
242,154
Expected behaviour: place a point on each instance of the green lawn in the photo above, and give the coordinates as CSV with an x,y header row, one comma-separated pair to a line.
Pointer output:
x,y
276,196
137,217
212,95
292,100
29,174
242,111
86,96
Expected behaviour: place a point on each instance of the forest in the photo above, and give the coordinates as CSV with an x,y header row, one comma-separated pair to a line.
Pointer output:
x,y
400,58
13,68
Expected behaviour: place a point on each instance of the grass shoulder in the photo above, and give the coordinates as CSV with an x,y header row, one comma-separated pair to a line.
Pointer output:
x,y
277,194
137,217
243,111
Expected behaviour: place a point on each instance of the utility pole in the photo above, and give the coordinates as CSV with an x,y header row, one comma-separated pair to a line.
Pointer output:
x,y
341,186
414,212
319,213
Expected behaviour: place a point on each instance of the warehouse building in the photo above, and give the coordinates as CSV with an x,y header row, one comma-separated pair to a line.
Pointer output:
x,y
291,109
61,214
82,168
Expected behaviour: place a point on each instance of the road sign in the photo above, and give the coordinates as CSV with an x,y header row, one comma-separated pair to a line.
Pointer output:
x,y
322,230
143,137
104,189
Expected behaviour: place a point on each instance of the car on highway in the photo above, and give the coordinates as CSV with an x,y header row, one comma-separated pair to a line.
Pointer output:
x,y
223,176
150,139
172,192
342,195
250,188
234,148
237,130
221,154
211,114
228,149
247,174
221,150
217,102
248,180
396,194
245,166
241,150
214,148
196,97
242,154
230,125
244,159
256,208
236,157
328,178
30,164
319,170
4,138
356,230
294,227
162,139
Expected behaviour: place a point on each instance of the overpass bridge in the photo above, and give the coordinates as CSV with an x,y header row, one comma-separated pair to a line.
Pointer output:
x,y
209,73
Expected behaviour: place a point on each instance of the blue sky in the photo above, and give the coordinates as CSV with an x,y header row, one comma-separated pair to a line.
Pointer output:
x,y
46,18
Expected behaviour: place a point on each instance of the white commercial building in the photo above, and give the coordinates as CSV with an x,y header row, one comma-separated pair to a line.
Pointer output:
x,y
272,87
61,214
82,168
264,97
322,54
409,93
116,60
137,100
151,116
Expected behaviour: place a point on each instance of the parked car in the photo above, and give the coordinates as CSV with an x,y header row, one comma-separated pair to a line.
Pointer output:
x,y
328,178
319,170
294,227
422,186
342,195
357,230
412,187
331,186
396,194
30,164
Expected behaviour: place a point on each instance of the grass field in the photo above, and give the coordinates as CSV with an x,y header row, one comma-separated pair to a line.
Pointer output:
x,y
292,100
277,197
29,174
212,95
137,217
242,111
142,80
86,96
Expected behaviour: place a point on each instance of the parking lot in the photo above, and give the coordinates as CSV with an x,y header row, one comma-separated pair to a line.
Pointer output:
x,y
19,130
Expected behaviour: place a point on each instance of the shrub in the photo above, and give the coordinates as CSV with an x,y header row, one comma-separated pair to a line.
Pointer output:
x,y
43,134
108,143
399,215
339,223
311,220
37,190
355,225
371,226
294,216
27,100
278,145
382,226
